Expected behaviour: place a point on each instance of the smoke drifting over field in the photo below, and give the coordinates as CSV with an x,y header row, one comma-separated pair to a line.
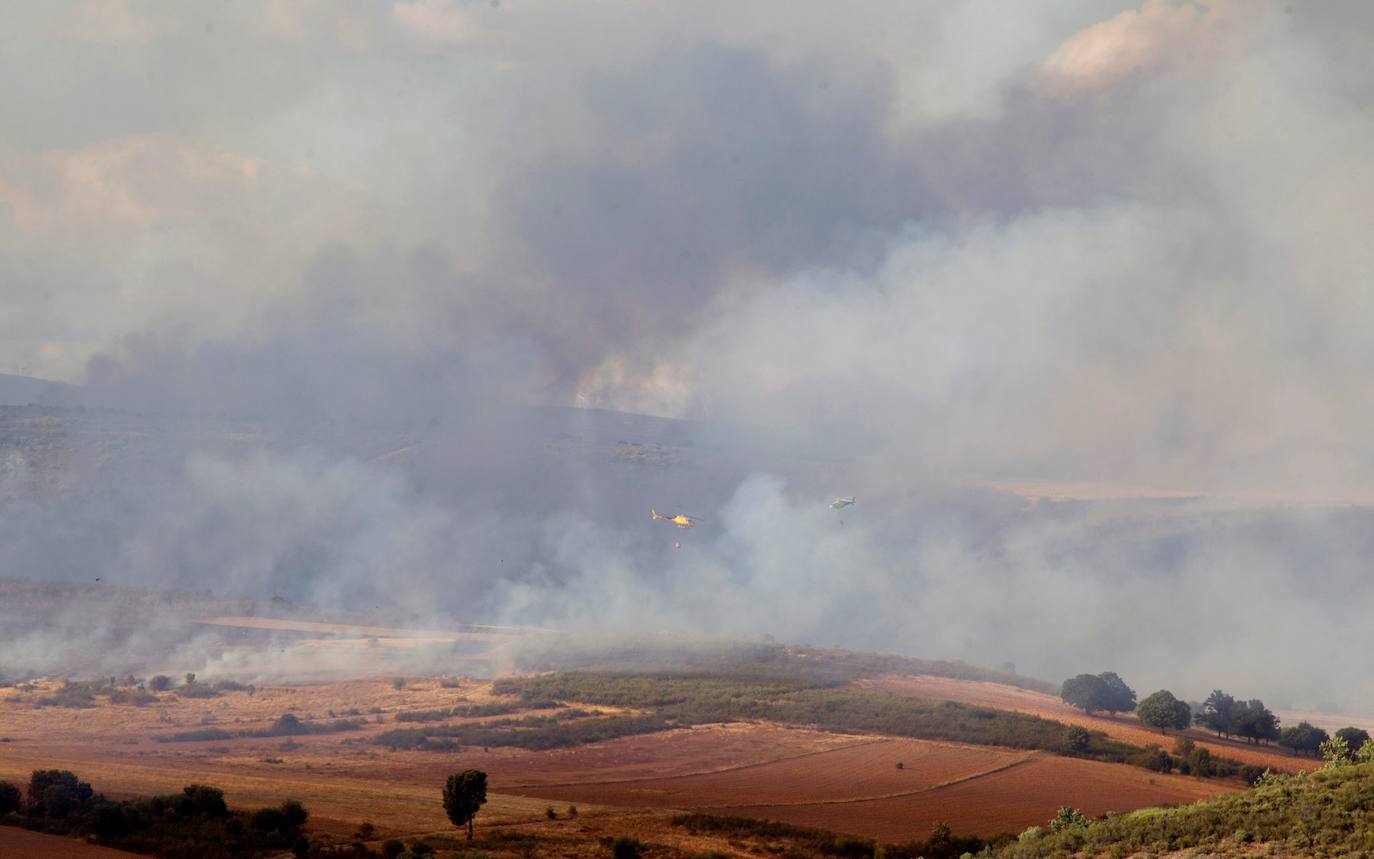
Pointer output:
x,y
905,254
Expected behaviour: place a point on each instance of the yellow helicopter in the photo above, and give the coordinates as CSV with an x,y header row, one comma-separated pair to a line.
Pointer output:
x,y
682,520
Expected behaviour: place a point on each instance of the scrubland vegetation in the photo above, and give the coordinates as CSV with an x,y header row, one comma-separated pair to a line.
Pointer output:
x,y
287,726
1326,813
820,666
941,844
469,711
193,823
681,700
537,733
83,694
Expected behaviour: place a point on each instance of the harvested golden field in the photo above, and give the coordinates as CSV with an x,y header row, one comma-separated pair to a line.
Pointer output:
x,y
1123,727
1008,800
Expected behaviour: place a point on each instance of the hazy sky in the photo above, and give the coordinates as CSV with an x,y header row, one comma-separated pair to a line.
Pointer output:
x,y
1112,242
1126,240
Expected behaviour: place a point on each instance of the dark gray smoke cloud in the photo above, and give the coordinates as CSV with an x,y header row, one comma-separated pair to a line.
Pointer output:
x,y
346,258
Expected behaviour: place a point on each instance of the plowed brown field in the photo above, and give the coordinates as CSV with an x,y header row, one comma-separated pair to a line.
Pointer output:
x,y
1124,727
867,770
1009,800
16,843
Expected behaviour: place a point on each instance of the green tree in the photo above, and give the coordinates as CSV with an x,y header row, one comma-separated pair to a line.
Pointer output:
x,y
1119,698
1303,738
1366,754
10,798
57,793
1087,692
201,799
1093,692
464,794
1354,737
1068,817
1254,721
1077,739
1336,752
1216,712
1162,710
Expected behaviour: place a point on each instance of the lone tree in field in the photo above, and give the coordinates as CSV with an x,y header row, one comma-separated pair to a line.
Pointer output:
x,y
1093,692
464,794
1162,710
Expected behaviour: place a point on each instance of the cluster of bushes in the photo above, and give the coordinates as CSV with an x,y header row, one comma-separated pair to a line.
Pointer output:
x,y
137,696
470,711
1189,758
290,726
1230,717
196,736
941,844
1251,720
71,694
1327,813
682,691
193,823
536,733
820,666
678,700
1307,739
132,690
287,726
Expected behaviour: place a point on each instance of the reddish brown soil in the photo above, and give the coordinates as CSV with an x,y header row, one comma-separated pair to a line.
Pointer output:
x,y
1123,727
16,843
1009,800
865,770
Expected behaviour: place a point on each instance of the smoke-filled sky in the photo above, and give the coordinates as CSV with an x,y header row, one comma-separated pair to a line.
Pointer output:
x,y
1114,243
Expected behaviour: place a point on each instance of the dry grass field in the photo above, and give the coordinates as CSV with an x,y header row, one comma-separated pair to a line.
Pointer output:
x,y
1122,727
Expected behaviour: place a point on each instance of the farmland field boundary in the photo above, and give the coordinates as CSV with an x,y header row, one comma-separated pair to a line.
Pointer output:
x,y
867,741
963,779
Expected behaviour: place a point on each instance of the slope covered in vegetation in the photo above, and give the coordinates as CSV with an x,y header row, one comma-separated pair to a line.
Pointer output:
x,y
1326,813
680,700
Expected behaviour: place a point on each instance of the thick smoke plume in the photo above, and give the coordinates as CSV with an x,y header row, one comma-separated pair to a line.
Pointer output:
x,y
354,262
